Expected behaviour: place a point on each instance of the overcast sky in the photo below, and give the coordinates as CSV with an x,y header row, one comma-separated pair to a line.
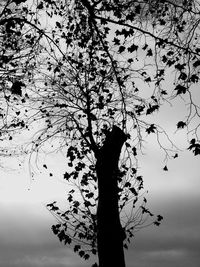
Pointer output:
x,y
26,239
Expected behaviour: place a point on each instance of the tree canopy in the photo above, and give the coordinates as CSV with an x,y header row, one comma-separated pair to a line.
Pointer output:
x,y
76,69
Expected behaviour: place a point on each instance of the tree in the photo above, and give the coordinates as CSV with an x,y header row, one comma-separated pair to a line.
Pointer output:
x,y
89,89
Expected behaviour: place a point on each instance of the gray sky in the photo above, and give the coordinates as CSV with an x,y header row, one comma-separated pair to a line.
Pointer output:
x,y
27,241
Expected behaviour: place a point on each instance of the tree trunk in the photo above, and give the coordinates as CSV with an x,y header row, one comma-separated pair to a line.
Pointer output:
x,y
110,234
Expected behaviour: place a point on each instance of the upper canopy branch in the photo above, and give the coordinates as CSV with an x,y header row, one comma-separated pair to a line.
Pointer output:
x,y
162,40
90,9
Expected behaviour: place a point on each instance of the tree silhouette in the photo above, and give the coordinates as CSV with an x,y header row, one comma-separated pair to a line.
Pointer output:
x,y
98,77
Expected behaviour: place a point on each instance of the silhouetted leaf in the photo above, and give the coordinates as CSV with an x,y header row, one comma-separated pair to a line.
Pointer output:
x,y
67,239
40,6
151,109
194,78
149,52
148,79
181,124
159,218
151,129
77,248
183,76
130,60
116,41
56,228
195,147
132,189
70,198
134,149
127,144
17,88
127,184
163,92
86,256
180,89
89,195
180,67
175,156
67,176
196,63
139,109
58,24
121,49
132,48
157,223
81,253
165,168
145,47
94,251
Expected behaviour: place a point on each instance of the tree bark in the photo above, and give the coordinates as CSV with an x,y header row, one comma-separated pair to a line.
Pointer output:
x,y
110,234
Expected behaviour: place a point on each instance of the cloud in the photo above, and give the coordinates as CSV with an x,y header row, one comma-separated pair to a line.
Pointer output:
x,y
164,249
26,239
45,252
165,256
34,258
176,242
